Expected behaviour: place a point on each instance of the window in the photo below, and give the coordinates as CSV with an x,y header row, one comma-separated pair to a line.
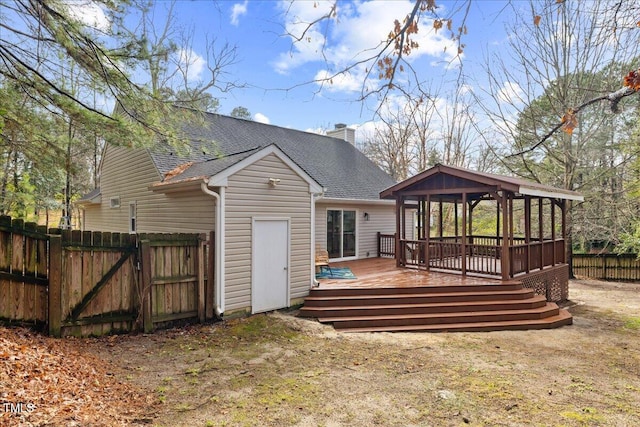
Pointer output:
x,y
341,233
133,225
114,202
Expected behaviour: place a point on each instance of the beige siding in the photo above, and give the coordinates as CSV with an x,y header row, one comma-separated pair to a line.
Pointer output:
x,y
382,219
128,174
248,195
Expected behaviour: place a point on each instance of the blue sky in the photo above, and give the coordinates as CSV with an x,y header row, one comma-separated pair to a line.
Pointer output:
x,y
275,70
279,74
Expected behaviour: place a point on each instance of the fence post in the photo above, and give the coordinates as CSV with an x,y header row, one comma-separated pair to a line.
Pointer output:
x,y
55,286
146,287
211,275
200,265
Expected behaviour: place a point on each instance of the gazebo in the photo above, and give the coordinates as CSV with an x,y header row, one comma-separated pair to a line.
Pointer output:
x,y
478,224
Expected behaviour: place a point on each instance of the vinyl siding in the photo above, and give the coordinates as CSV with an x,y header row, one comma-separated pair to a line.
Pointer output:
x,y
127,174
382,219
249,195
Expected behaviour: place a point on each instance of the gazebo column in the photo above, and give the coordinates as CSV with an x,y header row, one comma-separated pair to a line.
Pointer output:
x,y
419,215
553,232
512,267
455,218
563,208
504,260
464,234
541,230
527,230
399,206
440,214
498,202
427,235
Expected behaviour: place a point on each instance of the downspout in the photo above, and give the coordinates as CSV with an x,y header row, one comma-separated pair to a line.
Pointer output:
x,y
219,247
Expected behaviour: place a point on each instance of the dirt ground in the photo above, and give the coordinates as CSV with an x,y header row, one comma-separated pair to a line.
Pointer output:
x,y
280,370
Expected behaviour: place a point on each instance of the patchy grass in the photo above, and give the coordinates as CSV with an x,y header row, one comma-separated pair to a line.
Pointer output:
x,y
279,370
632,323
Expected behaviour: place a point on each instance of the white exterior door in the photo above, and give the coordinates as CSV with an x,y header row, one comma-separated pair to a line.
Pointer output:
x,y
270,264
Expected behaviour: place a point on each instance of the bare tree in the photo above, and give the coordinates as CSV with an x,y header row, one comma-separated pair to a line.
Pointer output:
x,y
384,69
544,102
174,71
392,144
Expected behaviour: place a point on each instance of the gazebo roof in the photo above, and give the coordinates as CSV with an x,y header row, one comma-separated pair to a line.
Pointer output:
x,y
450,181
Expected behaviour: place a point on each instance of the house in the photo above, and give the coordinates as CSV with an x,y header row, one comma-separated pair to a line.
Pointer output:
x,y
272,195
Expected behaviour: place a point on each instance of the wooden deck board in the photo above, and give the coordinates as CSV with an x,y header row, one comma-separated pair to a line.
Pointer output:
x,y
386,298
382,272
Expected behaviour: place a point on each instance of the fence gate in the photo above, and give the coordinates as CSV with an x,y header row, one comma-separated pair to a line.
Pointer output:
x,y
92,283
173,271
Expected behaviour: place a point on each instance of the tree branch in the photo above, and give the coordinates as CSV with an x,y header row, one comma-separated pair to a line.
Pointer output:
x,y
614,98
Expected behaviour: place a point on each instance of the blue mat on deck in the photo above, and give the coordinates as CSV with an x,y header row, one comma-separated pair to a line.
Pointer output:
x,y
335,273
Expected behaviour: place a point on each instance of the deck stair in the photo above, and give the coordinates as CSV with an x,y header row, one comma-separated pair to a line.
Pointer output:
x,y
490,307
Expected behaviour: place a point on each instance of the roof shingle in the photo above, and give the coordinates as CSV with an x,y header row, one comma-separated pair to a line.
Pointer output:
x,y
221,141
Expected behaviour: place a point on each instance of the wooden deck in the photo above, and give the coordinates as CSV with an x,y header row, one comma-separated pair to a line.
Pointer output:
x,y
382,272
386,298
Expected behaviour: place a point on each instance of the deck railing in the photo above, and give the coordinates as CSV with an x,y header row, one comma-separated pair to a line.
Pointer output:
x,y
483,254
386,245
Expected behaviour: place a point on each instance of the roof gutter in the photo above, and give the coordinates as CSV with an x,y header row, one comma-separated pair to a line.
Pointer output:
x,y
336,200
528,191
219,247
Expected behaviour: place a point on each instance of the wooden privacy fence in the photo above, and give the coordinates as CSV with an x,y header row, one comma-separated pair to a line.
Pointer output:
x,y
24,263
624,267
93,283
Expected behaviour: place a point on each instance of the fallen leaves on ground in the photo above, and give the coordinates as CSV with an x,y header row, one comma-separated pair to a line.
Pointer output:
x,y
47,381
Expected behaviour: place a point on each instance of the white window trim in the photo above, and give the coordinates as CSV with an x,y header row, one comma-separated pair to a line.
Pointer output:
x,y
357,235
133,217
114,202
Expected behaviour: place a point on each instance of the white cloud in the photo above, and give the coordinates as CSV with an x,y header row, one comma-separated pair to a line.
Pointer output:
x,y
191,64
343,82
88,13
510,93
261,118
353,36
238,10
299,16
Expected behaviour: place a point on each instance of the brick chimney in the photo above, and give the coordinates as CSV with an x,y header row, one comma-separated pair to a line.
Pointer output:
x,y
343,132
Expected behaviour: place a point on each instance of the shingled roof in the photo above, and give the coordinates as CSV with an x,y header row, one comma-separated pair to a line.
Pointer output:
x,y
218,142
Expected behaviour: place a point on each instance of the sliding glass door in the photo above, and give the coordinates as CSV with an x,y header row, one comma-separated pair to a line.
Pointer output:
x,y
341,233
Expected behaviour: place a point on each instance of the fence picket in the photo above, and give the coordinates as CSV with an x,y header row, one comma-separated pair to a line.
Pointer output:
x,y
85,283
623,267
55,286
